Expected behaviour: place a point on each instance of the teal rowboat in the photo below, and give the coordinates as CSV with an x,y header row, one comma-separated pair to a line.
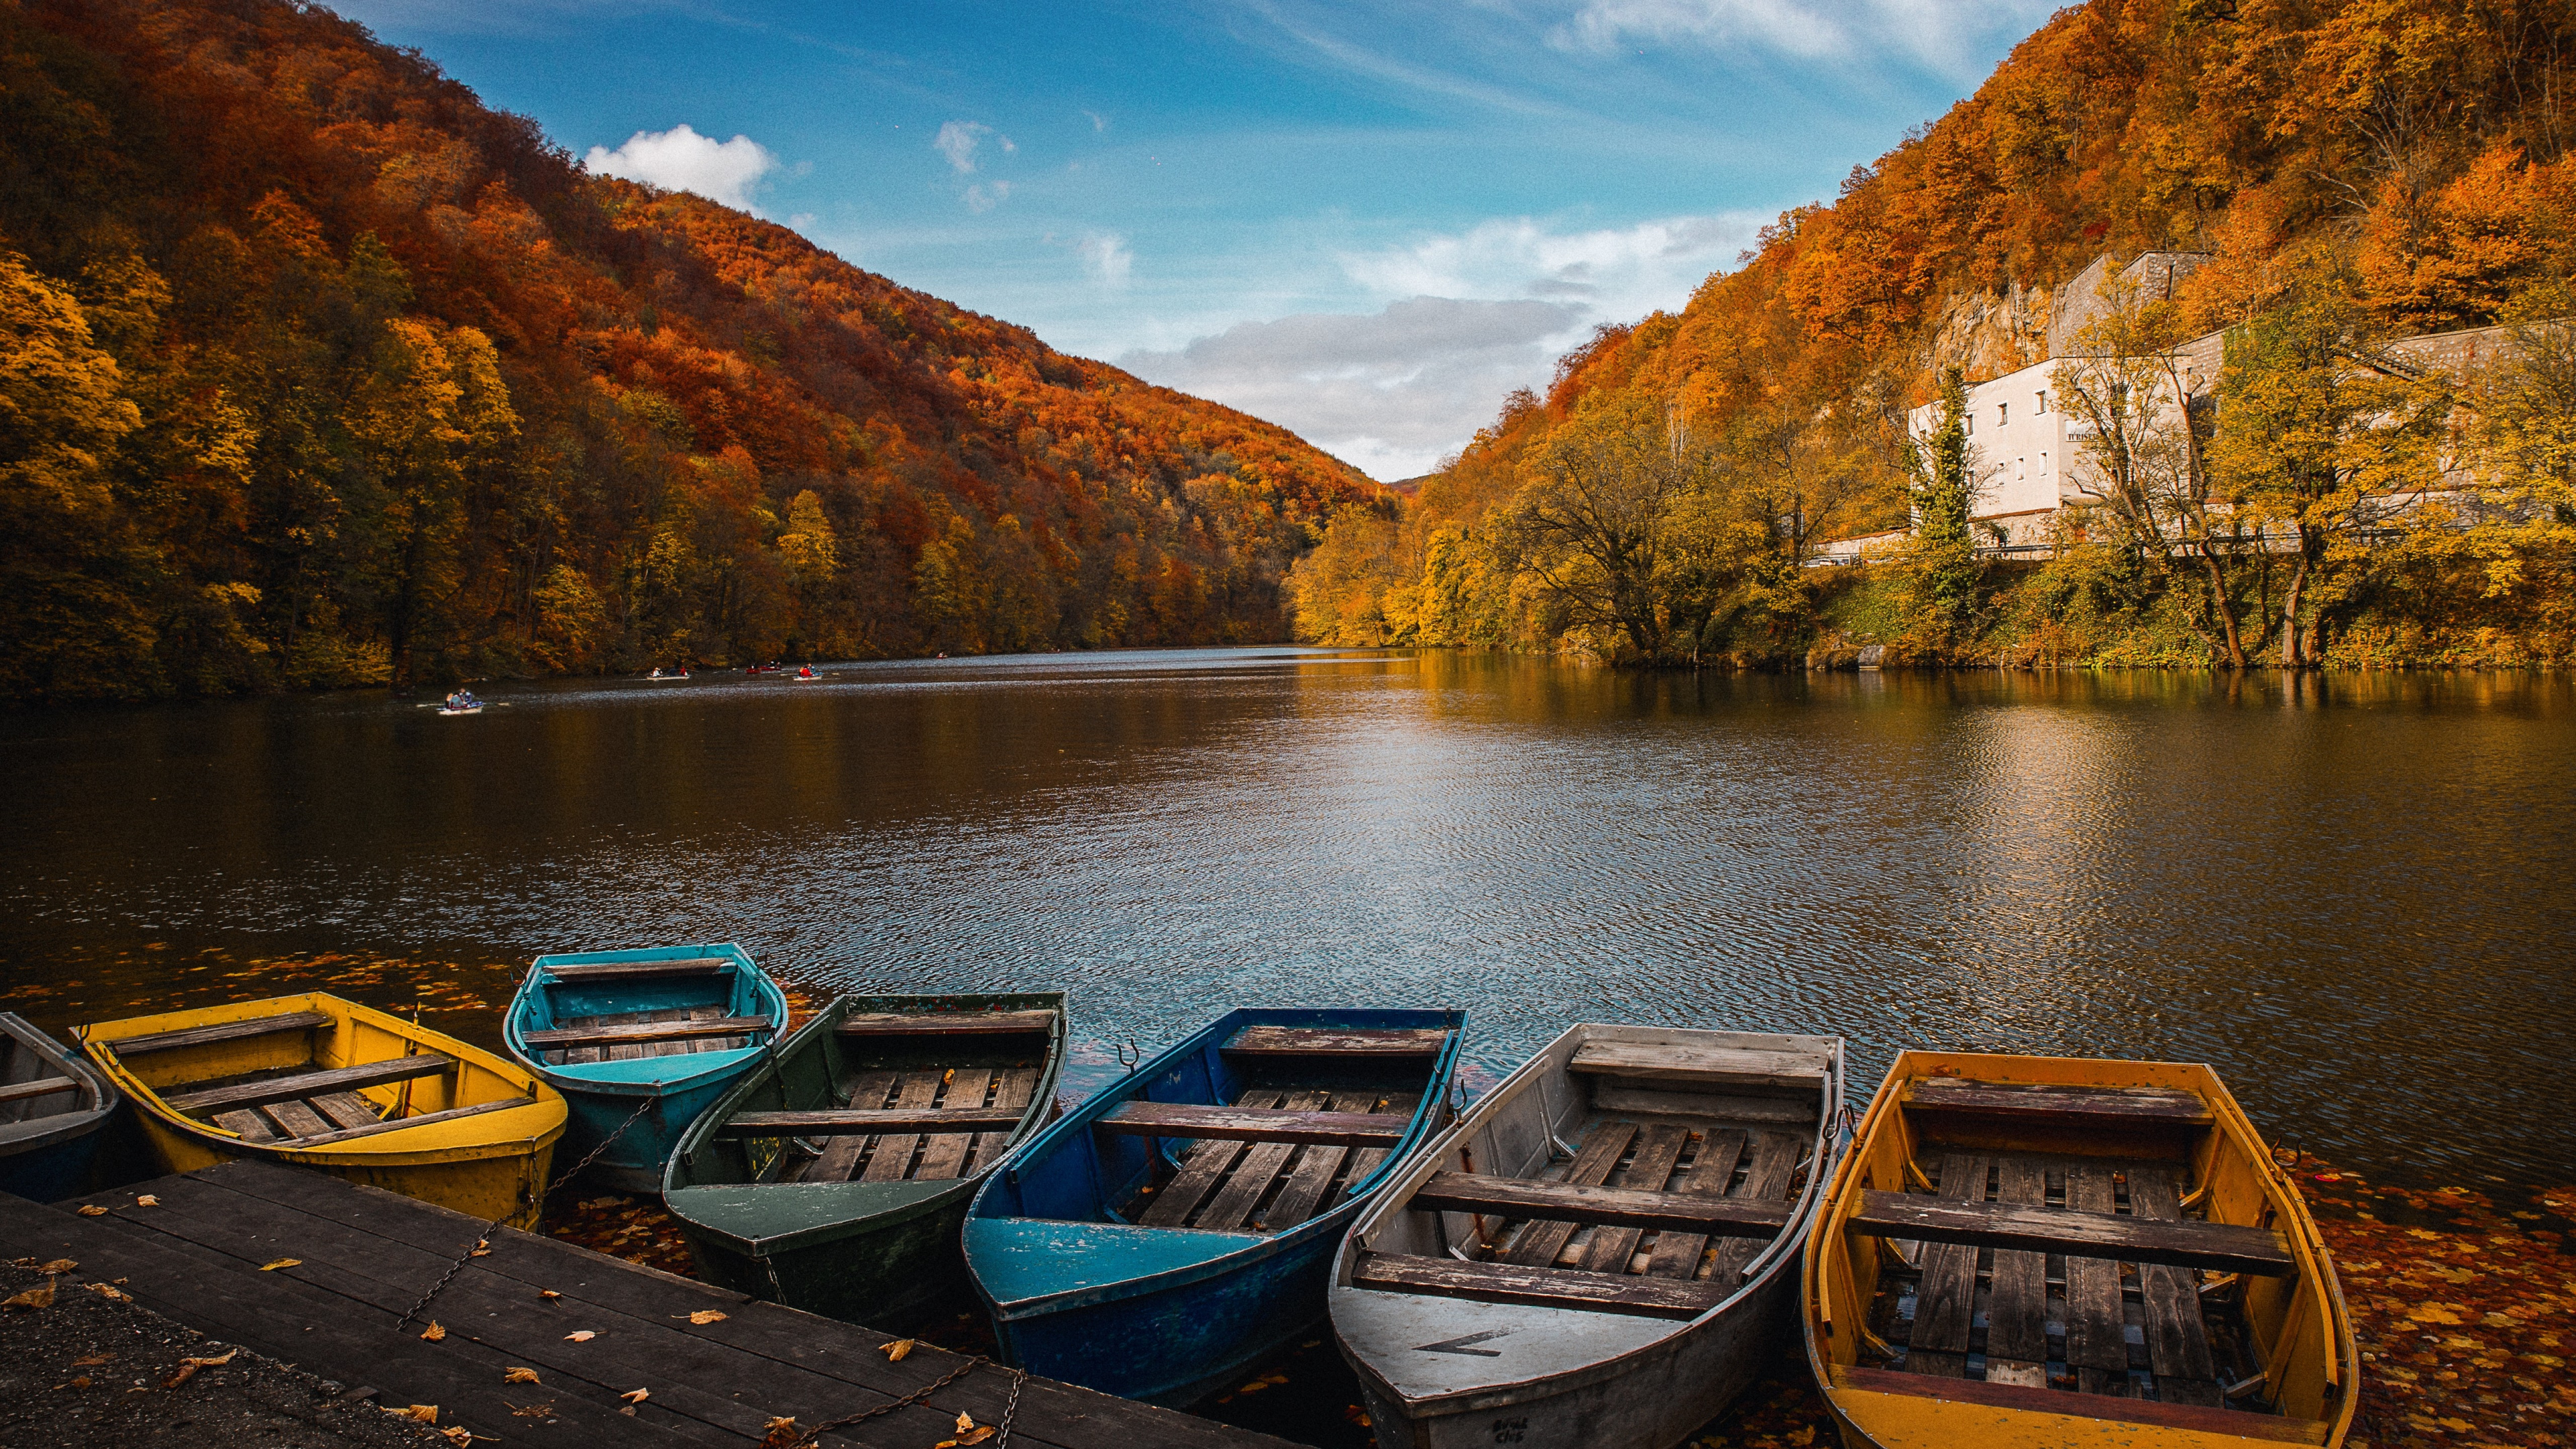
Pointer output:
x,y
833,1178
639,1043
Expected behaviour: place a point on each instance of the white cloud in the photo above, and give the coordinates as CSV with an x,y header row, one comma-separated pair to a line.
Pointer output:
x,y
680,159
1942,34
1391,392
1620,273
957,141
983,196
1106,257
1099,122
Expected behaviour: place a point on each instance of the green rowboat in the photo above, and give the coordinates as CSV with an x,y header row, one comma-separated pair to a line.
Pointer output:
x,y
834,1176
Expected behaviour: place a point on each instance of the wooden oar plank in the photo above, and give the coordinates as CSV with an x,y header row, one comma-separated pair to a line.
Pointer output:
x,y
307,1084
2219,1247
1245,1124
646,1031
1300,1041
946,1023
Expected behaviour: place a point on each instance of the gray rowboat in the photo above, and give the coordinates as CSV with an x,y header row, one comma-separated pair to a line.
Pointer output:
x,y
1601,1251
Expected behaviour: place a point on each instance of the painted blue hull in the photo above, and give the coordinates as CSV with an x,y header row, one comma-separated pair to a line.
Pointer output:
x,y
671,1091
1166,1315
55,1171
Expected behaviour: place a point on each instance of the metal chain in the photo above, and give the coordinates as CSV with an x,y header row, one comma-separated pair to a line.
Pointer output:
x,y
1010,1410
484,1239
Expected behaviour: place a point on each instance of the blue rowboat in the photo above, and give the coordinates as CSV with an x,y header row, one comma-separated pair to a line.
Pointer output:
x,y
52,1104
1181,1224
661,1031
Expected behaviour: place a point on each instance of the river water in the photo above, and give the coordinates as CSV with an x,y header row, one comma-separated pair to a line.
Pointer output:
x,y
2354,895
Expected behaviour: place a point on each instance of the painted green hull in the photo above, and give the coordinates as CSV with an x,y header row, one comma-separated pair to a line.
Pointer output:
x,y
884,1254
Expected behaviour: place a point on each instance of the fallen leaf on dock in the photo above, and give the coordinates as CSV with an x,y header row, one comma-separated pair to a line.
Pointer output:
x,y
188,1367
780,1433
637,1396
81,1382
91,1210
582,1336
147,1200
417,1413
280,1263
110,1292
518,1376
434,1332
59,1265
93,1360
532,1411
32,1298
895,1351
458,1435
705,1316
482,1248
548,1294
22,1262
976,1435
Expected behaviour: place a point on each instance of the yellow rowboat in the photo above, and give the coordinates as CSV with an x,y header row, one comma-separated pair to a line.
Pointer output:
x,y
2027,1251
328,1083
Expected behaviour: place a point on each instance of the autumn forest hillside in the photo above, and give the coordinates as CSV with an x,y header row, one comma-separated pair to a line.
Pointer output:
x,y
2356,171
314,371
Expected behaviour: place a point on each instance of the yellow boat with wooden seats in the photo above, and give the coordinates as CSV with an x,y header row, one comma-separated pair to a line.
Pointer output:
x,y
2028,1251
327,1083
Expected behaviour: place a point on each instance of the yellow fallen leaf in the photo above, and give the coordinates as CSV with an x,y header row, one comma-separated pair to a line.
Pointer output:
x,y
93,1360
637,1396
90,1210
110,1292
188,1367
2436,1313
518,1376
280,1263
548,1294
977,1435
580,1336
458,1435
147,1200
895,1351
482,1248
965,1422
32,1298
434,1332
706,1316
417,1413
22,1262
59,1265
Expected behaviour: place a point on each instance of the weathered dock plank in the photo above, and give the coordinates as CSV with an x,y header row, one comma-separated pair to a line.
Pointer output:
x,y
363,1257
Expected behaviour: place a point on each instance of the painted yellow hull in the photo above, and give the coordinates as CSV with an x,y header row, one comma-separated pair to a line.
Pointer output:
x,y
2312,1364
491,1165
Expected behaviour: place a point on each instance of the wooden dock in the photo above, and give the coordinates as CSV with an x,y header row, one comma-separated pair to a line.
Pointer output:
x,y
208,1254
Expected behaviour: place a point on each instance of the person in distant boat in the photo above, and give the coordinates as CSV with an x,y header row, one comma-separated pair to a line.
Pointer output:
x,y
462,699
804,671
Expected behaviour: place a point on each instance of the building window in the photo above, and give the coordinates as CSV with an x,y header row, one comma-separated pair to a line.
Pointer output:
x,y
2021,469
2003,414
2043,465
1971,420
2043,406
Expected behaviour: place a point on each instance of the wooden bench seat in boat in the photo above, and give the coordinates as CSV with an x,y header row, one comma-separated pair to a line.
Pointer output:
x,y
1705,1069
1514,1198
946,1023
853,1122
257,1026
1294,1041
41,1087
1630,1293
2061,1107
630,1032
685,1040
310,1084
609,972
1253,1124
2195,1418
1225,1184
2188,1243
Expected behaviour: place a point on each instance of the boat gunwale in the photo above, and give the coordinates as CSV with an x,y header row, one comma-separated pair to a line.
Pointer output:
x,y
1260,1246
541,1094
822,1025
513,1034
34,1134
2228,1119
1758,1275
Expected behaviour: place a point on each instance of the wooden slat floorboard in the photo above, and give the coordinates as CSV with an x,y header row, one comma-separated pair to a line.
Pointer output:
x,y
2097,1348
1011,1094
867,1093
1231,1208
365,1255
1945,1301
305,1084
1767,1176
1595,1157
1678,1252
1203,1170
1658,1148
1310,1182
1365,1160
2017,1301
891,1161
2177,1336
943,1153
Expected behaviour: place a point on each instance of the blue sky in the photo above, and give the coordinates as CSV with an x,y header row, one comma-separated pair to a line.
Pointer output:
x,y
1365,222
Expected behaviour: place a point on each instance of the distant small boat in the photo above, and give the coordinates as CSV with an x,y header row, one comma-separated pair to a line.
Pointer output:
x,y
760,669
612,1030
461,702
1603,1251
667,676
805,674
327,1083
51,1106
825,1180
1181,1224
2171,1221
